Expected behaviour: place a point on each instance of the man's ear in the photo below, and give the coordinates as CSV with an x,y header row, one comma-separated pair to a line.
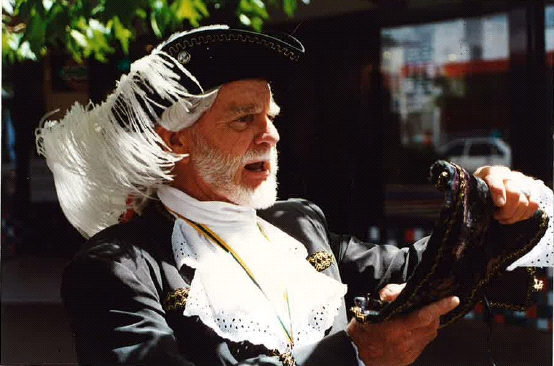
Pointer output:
x,y
174,140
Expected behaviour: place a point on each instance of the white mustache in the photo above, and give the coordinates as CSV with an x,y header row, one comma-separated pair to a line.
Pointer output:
x,y
254,156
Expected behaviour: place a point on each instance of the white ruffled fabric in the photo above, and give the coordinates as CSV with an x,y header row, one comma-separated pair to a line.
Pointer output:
x,y
225,298
542,254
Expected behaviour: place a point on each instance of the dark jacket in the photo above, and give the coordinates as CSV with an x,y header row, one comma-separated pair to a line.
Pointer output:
x,y
125,296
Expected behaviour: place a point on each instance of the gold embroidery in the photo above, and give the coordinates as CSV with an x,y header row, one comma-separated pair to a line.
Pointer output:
x,y
177,299
358,313
286,358
538,285
529,298
508,259
497,268
449,227
321,260
243,38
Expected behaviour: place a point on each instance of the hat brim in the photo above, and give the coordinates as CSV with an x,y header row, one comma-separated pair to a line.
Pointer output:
x,y
216,56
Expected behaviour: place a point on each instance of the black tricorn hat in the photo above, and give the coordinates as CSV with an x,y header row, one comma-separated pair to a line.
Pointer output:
x,y
91,148
195,62
216,55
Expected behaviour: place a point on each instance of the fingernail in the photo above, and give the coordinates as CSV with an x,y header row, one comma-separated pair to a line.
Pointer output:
x,y
456,301
500,201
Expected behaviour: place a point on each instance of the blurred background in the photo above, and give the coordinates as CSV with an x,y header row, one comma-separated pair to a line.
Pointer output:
x,y
387,87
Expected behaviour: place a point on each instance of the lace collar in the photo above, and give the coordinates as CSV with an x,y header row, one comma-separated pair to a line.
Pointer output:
x,y
224,297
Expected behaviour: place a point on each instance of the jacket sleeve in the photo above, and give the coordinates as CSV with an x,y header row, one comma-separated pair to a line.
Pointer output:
x,y
366,268
117,316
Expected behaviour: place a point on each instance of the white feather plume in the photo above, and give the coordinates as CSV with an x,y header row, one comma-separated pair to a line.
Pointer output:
x,y
99,163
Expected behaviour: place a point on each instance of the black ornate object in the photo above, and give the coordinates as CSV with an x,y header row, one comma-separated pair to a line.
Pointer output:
x,y
466,250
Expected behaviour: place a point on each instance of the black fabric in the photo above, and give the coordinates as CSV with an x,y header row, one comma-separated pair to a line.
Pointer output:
x,y
115,289
467,249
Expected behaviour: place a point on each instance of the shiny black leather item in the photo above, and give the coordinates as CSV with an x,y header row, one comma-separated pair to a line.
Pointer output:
x,y
466,250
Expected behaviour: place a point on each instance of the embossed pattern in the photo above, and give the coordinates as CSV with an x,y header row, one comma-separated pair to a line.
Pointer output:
x,y
321,260
176,300
185,43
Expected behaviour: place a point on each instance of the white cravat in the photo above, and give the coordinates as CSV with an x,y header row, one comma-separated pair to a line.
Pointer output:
x,y
226,299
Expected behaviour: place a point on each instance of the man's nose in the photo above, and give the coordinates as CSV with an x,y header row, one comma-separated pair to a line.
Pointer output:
x,y
268,134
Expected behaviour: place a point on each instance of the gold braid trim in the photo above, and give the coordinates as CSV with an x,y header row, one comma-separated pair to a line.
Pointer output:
x,y
286,358
500,266
242,38
321,260
176,300
449,222
530,289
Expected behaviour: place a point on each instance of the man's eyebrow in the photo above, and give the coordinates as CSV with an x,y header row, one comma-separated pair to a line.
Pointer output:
x,y
237,109
245,109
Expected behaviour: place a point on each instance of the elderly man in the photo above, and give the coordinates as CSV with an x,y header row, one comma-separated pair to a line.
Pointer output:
x,y
182,154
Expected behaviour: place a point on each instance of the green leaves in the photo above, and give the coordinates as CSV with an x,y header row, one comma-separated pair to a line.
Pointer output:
x,y
289,6
253,13
85,28
191,10
121,33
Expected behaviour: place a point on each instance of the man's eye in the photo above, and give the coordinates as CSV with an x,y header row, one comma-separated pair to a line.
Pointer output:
x,y
246,119
271,117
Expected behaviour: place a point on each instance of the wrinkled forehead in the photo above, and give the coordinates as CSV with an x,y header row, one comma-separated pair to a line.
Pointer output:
x,y
246,97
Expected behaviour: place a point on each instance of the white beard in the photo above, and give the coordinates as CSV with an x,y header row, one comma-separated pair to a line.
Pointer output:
x,y
219,169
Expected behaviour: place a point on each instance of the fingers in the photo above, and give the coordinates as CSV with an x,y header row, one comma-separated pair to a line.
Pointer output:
x,y
494,177
430,314
401,340
516,204
519,207
391,291
511,192
389,342
520,204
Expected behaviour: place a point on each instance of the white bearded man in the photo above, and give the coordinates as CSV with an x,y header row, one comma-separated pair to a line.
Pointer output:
x,y
198,276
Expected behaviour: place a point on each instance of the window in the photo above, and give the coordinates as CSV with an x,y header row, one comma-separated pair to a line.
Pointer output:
x,y
479,149
456,150
442,76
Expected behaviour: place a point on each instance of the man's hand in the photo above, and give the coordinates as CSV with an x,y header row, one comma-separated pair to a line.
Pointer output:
x,y
401,340
391,291
511,193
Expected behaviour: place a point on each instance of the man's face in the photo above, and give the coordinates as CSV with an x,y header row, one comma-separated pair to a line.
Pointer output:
x,y
233,155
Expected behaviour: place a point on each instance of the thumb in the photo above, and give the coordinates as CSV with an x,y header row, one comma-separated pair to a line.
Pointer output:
x,y
430,313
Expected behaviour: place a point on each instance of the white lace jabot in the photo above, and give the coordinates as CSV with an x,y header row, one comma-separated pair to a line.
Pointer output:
x,y
224,297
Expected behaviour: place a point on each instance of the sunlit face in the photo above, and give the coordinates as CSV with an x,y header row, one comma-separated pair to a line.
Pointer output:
x,y
232,147
224,173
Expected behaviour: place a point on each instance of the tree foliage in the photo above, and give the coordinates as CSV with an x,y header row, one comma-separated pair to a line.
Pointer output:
x,y
97,28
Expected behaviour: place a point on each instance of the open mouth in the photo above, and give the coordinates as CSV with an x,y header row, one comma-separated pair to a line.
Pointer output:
x,y
259,166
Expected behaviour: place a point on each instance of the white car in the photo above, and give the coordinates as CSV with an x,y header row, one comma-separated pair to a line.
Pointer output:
x,y
474,152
